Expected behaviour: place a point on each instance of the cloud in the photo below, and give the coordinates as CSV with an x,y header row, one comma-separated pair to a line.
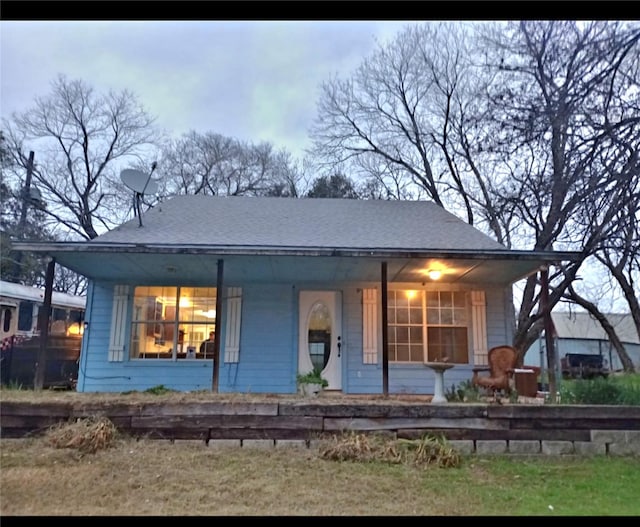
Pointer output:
x,y
255,81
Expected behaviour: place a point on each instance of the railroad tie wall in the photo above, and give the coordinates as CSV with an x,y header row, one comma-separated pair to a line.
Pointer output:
x,y
471,428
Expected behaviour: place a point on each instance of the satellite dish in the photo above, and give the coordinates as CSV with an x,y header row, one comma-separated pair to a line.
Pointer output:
x,y
141,184
138,181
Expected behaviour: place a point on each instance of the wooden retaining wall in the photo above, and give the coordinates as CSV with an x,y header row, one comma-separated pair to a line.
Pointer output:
x,y
469,425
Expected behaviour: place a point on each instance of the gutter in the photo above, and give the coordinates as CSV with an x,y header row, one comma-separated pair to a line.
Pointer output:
x,y
244,250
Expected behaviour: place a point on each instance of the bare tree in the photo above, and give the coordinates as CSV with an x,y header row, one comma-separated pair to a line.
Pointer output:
x,y
527,130
563,95
389,118
217,165
620,254
79,137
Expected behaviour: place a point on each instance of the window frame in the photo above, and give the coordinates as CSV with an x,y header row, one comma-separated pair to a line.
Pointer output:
x,y
466,323
156,327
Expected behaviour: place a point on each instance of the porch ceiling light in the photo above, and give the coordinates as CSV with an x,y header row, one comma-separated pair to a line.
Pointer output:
x,y
434,274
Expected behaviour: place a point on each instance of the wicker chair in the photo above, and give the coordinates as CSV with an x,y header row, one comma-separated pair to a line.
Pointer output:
x,y
502,363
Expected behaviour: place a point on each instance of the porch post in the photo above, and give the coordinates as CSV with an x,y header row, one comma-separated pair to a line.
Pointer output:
x,y
43,323
548,331
216,337
385,331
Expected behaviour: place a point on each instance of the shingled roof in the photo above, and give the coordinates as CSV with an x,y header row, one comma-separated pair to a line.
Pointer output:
x,y
301,222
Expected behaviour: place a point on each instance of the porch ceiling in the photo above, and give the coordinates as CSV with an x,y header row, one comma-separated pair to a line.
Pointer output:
x,y
193,269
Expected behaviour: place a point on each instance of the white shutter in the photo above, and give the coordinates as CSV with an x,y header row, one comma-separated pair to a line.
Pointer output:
x,y
232,336
479,321
369,327
118,323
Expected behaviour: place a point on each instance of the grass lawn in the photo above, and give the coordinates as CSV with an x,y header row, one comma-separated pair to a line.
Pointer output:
x,y
189,478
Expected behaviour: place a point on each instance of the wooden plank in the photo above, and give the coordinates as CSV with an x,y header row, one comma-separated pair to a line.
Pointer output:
x,y
8,408
400,423
189,408
263,433
583,424
30,421
111,410
227,422
530,411
20,433
383,410
209,408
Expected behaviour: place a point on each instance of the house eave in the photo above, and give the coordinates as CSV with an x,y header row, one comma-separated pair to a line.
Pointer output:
x,y
52,248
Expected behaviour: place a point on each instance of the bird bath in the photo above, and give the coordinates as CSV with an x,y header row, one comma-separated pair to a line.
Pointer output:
x,y
439,368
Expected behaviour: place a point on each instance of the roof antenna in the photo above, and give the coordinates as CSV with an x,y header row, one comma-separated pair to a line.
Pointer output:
x,y
141,184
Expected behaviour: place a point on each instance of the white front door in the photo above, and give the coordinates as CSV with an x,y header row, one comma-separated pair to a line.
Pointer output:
x,y
320,335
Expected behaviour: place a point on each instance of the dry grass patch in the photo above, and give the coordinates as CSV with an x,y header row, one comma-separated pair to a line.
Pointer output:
x,y
87,435
429,450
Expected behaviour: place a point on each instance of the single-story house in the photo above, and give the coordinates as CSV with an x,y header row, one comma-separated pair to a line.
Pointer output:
x,y
581,333
365,290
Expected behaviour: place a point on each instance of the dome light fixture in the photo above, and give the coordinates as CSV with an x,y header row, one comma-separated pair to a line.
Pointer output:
x,y
434,274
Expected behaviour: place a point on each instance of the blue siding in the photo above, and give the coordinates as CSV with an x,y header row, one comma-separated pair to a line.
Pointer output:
x,y
357,376
268,342
500,325
97,374
268,348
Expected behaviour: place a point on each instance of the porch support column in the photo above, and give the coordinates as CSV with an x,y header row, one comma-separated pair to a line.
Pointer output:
x,y
218,319
385,331
548,331
43,323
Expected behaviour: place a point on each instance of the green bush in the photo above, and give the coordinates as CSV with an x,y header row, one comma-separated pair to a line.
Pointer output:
x,y
312,377
464,392
615,390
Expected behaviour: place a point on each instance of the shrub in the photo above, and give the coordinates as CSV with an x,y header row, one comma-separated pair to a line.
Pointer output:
x,y
312,377
159,390
86,435
614,390
464,392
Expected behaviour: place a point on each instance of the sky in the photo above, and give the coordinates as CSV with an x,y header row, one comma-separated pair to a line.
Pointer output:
x,y
250,80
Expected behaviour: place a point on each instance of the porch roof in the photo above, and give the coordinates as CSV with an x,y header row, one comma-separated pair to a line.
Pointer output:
x,y
162,263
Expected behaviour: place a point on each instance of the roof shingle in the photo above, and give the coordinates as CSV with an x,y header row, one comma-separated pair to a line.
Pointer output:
x,y
301,222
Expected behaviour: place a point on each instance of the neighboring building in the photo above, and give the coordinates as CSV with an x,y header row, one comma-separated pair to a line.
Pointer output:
x,y
286,284
581,333
20,307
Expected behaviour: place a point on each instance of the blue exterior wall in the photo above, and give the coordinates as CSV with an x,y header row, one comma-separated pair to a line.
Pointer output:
x,y
268,342
268,347
97,374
